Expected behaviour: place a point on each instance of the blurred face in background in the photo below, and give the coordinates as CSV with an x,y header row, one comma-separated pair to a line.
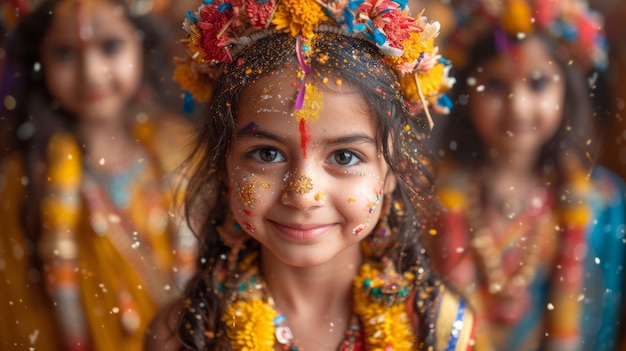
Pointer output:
x,y
92,59
516,98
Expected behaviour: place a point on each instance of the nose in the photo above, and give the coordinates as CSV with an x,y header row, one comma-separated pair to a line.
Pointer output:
x,y
93,70
518,103
303,192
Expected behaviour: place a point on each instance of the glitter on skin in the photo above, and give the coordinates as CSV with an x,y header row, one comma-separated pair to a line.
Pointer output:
x,y
319,196
370,209
249,227
358,230
247,193
301,186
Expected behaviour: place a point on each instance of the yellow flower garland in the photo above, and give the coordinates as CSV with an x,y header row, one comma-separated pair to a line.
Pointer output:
x,y
386,327
250,323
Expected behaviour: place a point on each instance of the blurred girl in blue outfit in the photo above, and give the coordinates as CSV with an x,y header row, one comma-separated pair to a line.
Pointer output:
x,y
534,230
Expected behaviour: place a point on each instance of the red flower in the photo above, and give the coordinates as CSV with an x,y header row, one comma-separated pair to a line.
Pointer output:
x,y
398,27
259,12
212,23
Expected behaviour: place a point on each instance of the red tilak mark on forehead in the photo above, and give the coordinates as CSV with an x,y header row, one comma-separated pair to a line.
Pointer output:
x,y
518,65
304,136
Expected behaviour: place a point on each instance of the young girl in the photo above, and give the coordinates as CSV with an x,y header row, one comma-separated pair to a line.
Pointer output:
x,y
533,235
86,193
310,187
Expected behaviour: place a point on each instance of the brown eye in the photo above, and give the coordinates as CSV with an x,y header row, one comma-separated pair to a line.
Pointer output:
x,y
266,154
345,158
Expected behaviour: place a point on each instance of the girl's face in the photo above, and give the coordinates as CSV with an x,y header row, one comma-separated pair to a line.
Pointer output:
x,y
516,104
306,184
92,59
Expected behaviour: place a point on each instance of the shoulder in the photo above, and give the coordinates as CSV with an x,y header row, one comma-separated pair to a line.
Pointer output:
x,y
454,328
168,134
608,190
162,332
607,181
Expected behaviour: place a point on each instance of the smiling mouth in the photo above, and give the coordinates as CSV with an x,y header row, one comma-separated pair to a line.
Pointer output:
x,y
303,233
94,97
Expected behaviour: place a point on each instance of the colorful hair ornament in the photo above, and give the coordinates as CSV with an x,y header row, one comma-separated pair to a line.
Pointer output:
x,y
219,29
571,22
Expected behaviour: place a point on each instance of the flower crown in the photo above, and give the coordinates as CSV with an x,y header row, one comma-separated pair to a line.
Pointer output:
x,y
220,28
571,22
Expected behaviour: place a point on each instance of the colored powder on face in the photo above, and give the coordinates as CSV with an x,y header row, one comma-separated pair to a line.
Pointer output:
x,y
249,227
247,194
249,128
305,137
312,105
301,186
358,230
351,200
319,196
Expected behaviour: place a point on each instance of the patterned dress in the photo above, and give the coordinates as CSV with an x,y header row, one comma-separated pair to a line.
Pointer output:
x,y
130,255
552,278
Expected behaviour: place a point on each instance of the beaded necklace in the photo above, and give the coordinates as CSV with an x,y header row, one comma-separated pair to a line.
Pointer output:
x,y
569,218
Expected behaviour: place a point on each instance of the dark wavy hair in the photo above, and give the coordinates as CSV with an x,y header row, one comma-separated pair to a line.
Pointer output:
x,y
400,136
576,127
35,118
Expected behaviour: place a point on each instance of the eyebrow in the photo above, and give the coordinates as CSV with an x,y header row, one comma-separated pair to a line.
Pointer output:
x,y
255,133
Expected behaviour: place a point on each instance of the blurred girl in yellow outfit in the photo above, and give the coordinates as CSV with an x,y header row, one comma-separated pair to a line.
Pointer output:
x,y
90,246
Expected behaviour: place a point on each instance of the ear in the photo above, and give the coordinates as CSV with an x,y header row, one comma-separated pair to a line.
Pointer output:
x,y
390,183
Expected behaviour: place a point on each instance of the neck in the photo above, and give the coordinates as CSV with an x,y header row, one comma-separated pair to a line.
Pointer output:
x,y
109,146
317,301
521,163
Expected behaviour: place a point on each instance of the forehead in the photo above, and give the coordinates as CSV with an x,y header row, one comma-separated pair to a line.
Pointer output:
x,y
280,88
525,57
86,18
272,100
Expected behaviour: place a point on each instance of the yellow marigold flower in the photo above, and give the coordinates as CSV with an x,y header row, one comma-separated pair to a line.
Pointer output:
x,y
430,84
517,17
195,50
250,325
200,89
298,17
385,326
413,47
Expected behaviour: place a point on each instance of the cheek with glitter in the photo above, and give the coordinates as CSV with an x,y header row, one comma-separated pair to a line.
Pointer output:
x,y
358,230
247,194
249,227
371,207
319,196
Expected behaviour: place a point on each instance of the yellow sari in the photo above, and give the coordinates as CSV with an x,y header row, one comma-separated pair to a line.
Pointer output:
x,y
129,261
